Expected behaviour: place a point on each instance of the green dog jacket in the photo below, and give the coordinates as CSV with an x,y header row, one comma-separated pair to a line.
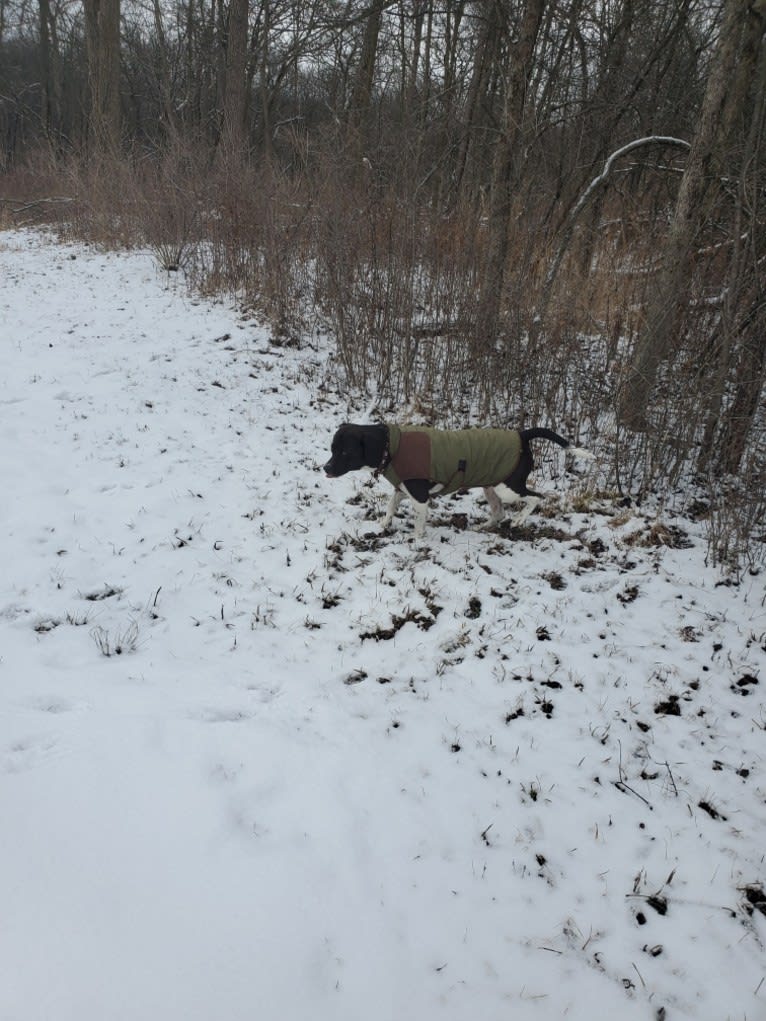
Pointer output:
x,y
456,459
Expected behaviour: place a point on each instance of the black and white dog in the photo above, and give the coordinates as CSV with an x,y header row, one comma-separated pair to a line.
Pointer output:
x,y
420,462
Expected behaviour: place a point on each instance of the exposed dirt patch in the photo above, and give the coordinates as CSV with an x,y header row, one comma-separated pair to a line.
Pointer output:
x,y
711,810
668,708
659,903
355,677
105,593
555,580
531,533
755,898
47,624
660,534
385,634
744,684
689,634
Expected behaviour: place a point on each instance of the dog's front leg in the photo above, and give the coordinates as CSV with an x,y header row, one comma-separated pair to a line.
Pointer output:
x,y
393,507
495,508
421,512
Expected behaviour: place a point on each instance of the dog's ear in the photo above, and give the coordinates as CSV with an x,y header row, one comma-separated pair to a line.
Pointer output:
x,y
372,445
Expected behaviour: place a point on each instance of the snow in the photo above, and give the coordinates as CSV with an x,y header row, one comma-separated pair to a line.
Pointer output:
x,y
259,760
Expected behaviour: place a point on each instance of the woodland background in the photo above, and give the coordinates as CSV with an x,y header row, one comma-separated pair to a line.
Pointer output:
x,y
501,212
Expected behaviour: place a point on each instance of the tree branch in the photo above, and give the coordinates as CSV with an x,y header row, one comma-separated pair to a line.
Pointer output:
x,y
596,183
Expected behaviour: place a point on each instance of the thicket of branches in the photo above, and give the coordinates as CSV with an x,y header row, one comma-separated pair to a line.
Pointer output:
x,y
509,211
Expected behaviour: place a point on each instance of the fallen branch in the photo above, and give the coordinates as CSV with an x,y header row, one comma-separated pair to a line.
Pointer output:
x,y
17,207
625,788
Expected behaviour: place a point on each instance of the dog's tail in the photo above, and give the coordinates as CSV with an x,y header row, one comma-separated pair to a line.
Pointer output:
x,y
544,434
549,434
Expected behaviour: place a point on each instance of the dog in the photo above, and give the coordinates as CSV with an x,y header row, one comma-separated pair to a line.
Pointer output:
x,y
421,462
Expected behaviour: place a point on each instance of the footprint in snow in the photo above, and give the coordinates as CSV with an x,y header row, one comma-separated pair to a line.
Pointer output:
x,y
56,706
27,753
221,715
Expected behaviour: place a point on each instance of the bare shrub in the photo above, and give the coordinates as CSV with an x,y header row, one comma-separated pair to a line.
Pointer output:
x,y
34,191
257,244
736,525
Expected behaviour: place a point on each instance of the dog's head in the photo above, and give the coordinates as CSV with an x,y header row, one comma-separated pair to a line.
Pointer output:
x,y
348,451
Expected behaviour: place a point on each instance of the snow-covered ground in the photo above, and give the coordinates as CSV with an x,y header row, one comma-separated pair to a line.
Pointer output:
x,y
258,760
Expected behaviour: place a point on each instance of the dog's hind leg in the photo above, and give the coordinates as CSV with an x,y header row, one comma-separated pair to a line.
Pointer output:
x,y
495,508
530,502
527,497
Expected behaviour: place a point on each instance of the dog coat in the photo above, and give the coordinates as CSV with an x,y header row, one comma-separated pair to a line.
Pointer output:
x,y
451,460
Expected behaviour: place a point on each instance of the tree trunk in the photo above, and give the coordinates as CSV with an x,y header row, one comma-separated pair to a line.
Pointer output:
x,y
506,166
361,95
265,92
102,31
165,96
235,95
485,57
748,384
746,280
50,104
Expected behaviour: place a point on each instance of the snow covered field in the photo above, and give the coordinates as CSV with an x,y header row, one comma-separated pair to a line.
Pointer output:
x,y
259,761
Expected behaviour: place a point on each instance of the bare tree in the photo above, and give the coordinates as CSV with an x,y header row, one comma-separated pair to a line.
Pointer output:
x,y
722,105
